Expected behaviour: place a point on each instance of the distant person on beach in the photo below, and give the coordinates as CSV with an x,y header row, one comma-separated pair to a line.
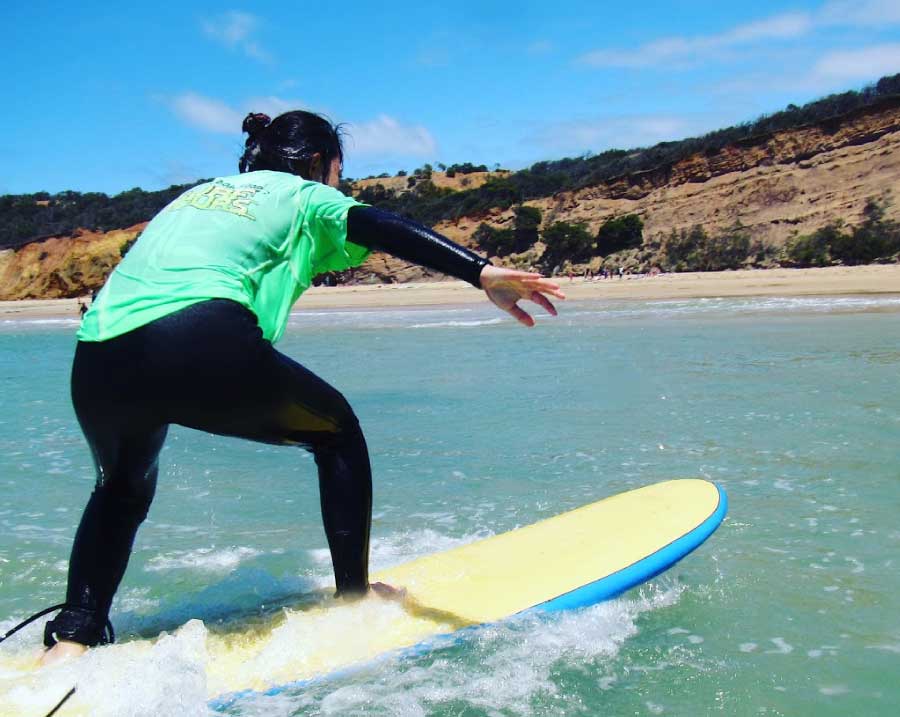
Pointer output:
x,y
82,308
183,333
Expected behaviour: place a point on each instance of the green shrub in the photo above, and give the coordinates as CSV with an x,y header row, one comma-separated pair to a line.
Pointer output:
x,y
126,245
375,194
526,227
728,250
681,248
565,241
495,242
696,250
626,232
876,238
466,168
814,249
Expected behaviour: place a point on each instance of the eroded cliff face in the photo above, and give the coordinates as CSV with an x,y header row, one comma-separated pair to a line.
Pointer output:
x,y
775,185
62,267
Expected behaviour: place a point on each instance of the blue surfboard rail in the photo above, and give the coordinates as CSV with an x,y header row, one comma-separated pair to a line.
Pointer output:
x,y
643,570
604,589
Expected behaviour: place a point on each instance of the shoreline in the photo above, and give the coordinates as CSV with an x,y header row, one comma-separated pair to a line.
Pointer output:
x,y
828,281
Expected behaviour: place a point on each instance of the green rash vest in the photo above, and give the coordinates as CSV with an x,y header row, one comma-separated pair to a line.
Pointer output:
x,y
256,238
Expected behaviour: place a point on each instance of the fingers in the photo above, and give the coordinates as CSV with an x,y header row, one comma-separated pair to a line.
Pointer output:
x,y
541,300
520,315
517,274
545,286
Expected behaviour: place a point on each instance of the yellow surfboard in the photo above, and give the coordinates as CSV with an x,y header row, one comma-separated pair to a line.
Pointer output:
x,y
572,560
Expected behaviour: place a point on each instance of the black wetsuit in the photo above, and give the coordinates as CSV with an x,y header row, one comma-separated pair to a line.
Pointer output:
x,y
208,367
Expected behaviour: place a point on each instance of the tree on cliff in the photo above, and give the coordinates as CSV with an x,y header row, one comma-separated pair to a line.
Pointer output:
x,y
876,239
620,233
565,241
500,242
526,227
695,250
494,241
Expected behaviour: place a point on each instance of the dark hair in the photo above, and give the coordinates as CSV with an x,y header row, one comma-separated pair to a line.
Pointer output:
x,y
288,143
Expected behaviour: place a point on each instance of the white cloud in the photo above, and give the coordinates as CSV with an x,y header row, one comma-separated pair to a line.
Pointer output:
x,y
860,12
385,135
863,64
690,50
213,115
207,113
236,31
681,51
778,27
621,132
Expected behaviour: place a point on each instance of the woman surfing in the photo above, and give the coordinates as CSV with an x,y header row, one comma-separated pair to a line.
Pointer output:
x,y
183,333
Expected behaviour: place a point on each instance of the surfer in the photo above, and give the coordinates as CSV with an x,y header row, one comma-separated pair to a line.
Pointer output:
x,y
183,333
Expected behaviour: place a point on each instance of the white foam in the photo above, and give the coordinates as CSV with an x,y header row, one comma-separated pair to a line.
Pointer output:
x,y
40,322
167,679
458,324
402,547
895,648
781,647
506,666
203,559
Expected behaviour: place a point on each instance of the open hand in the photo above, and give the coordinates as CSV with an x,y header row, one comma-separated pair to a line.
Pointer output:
x,y
505,287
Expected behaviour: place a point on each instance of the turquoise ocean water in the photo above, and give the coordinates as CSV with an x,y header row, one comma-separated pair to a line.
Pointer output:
x,y
476,426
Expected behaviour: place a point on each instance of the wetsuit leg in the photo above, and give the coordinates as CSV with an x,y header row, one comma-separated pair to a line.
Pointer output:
x,y
273,399
206,367
125,447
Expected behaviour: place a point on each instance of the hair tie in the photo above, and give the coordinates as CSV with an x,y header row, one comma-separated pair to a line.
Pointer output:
x,y
255,122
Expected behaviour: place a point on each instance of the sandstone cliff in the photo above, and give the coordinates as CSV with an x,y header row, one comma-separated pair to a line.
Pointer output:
x,y
775,185
61,267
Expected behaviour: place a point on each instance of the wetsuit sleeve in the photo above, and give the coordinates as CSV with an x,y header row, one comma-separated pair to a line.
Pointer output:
x,y
405,239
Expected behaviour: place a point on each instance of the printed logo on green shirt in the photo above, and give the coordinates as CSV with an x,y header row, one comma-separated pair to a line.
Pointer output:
x,y
219,196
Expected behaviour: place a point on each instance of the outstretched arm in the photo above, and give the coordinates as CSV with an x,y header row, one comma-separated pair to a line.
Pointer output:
x,y
409,240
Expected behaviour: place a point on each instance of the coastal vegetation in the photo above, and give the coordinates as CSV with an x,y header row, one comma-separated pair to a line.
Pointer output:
x,y
512,228
500,242
545,179
25,218
569,247
875,239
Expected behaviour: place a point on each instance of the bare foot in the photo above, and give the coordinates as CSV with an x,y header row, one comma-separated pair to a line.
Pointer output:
x,y
62,651
388,592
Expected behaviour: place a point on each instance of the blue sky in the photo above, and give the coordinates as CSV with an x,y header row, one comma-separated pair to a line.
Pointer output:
x,y
102,98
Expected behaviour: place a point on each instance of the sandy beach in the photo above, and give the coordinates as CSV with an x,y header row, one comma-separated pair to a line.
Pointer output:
x,y
830,281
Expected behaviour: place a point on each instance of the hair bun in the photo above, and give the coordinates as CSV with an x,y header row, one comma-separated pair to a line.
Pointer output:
x,y
255,122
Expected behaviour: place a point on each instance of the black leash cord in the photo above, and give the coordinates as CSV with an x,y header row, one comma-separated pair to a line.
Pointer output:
x,y
61,703
111,637
31,619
